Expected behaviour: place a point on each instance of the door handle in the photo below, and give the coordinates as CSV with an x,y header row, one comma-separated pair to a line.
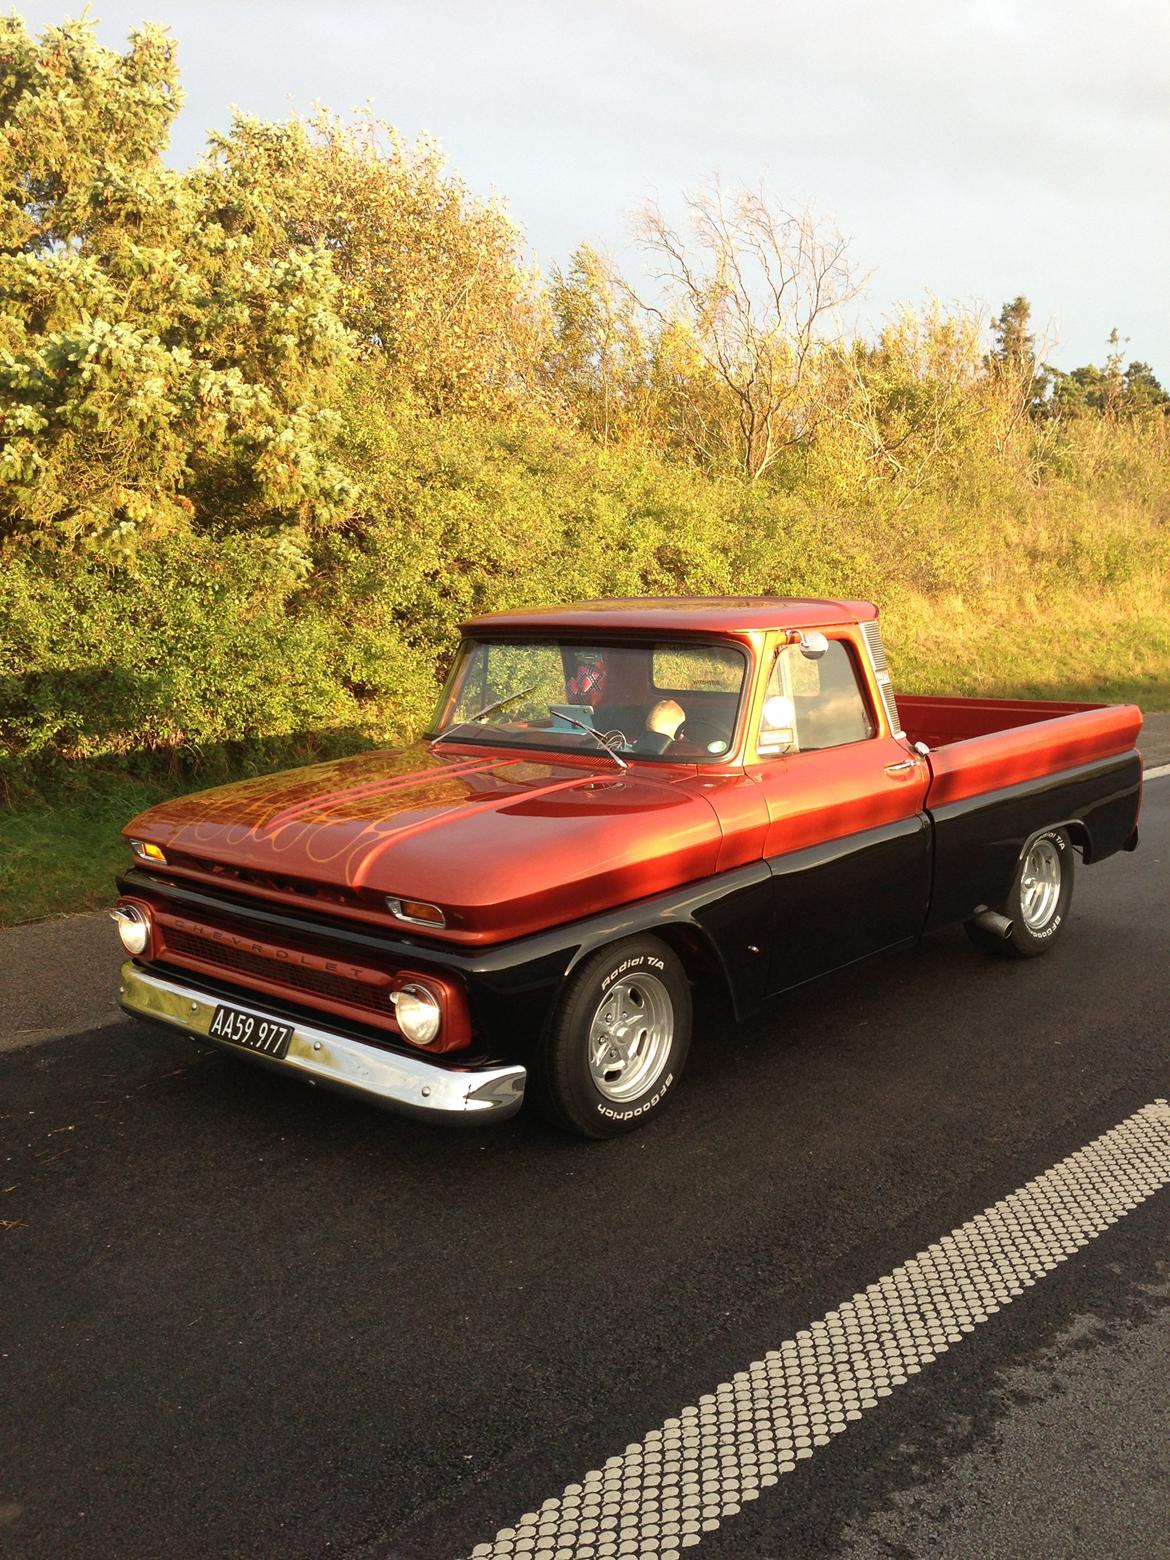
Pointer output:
x,y
903,768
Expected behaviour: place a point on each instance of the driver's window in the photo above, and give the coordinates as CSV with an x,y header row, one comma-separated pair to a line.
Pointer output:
x,y
813,704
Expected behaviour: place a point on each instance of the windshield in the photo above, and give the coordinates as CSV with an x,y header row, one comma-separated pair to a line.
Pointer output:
x,y
671,701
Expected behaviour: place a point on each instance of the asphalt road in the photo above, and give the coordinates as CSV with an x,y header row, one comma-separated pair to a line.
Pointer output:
x,y
241,1318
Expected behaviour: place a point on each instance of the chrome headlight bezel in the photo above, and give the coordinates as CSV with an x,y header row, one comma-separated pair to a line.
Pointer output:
x,y
134,928
419,1014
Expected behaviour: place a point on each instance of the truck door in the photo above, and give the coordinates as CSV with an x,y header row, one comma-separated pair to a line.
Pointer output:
x,y
847,840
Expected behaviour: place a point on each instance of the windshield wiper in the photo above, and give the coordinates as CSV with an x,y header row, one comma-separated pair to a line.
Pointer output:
x,y
488,709
589,732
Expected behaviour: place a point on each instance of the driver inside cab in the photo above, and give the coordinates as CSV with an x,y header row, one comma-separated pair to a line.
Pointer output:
x,y
662,726
586,684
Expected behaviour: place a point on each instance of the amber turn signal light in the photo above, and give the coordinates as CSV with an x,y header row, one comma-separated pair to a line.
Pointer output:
x,y
147,851
415,910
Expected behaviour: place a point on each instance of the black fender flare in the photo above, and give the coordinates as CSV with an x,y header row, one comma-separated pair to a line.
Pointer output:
x,y
1077,830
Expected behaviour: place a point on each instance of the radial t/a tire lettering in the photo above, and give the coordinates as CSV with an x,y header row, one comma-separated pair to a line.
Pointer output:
x,y
616,1045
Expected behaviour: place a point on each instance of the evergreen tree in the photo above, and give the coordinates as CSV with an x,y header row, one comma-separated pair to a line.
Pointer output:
x,y
1015,343
1013,355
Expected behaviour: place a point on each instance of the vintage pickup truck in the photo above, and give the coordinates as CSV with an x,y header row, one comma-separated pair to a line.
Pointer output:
x,y
618,804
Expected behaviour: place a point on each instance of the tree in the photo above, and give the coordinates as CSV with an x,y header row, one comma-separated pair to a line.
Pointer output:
x,y
83,127
1113,379
900,412
430,278
155,369
1117,390
1015,345
600,354
757,286
1143,392
1013,363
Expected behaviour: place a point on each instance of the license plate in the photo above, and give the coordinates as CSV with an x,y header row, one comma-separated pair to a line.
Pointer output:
x,y
254,1034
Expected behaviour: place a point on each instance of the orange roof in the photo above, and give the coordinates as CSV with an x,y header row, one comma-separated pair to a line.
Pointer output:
x,y
680,614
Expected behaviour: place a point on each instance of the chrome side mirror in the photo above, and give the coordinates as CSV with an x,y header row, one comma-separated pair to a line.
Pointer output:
x,y
813,645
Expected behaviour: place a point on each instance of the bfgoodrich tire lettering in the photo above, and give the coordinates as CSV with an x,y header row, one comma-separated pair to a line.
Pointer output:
x,y
618,1041
1038,904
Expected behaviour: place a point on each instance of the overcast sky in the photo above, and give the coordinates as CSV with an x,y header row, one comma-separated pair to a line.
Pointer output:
x,y
971,148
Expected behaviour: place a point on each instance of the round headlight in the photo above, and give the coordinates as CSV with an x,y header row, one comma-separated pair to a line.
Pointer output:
x,y
133,928
418,1013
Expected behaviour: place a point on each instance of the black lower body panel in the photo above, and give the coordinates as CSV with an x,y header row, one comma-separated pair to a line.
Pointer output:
x,y
978,842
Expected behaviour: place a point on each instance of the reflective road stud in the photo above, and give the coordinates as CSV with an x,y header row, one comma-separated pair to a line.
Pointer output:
x,y
697,1470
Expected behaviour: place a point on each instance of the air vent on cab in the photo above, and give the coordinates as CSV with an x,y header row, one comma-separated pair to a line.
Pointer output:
x,y
881,669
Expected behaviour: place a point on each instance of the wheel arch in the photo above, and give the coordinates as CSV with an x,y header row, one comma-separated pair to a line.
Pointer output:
x,y
701,960
1077,830
721,929
694,946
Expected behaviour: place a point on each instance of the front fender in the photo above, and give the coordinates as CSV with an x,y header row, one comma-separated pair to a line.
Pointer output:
x,y
719,926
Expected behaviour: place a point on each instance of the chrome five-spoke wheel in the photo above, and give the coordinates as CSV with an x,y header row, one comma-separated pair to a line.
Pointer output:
x,y
1040,884
1035,910
630,1036
617,1042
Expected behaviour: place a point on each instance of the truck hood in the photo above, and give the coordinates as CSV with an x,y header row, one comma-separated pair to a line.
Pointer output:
x,y
505,844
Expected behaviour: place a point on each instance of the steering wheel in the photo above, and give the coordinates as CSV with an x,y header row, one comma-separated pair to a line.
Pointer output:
x,y
615,740
701,733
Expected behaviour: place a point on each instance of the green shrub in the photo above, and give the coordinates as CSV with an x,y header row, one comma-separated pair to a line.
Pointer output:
x,y
274,425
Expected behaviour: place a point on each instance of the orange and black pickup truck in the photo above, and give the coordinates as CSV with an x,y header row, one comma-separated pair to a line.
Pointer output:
x,y
618,803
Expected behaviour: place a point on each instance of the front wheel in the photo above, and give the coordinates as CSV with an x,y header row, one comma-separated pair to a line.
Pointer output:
x,y
1039,900
617,1043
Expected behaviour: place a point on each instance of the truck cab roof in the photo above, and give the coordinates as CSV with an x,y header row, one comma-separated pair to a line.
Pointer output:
x,y
677,614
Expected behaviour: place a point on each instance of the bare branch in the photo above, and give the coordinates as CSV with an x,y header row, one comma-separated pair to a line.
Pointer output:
x,y
757,285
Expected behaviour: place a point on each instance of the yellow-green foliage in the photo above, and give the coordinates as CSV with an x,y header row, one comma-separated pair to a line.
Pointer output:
x,y
272,426
157,364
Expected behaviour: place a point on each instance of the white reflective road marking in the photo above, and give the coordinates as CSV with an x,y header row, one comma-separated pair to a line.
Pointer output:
x,y
1154,774
696,1470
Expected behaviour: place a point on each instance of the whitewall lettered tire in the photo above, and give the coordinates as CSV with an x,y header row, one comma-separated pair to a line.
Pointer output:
x,y
616,1045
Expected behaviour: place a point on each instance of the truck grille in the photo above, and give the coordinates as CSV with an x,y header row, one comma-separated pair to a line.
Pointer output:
x,y
358,990
268,882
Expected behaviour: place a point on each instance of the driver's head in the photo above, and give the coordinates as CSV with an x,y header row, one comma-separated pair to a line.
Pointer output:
x,y
587,684
665,718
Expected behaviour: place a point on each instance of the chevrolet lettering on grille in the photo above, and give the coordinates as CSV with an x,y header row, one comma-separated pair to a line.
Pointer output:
x,y
295,956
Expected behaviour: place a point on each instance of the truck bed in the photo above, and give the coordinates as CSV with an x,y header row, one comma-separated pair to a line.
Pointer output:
x,y
981,745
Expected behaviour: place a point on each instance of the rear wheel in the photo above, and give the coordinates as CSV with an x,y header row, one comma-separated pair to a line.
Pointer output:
x,y
618,1040
1039,900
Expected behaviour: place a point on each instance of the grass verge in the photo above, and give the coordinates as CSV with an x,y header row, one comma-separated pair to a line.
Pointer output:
x,y
60,853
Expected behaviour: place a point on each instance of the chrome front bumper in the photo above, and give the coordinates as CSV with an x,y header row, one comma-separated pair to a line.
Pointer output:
x,y
408,1084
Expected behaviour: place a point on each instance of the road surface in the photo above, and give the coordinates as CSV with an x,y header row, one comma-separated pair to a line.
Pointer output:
x,y
242,1318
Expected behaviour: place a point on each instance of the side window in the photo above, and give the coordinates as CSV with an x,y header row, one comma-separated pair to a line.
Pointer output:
x,y
689,668
813,704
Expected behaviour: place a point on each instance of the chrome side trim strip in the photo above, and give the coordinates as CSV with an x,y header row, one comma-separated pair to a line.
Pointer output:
x,y
410,1085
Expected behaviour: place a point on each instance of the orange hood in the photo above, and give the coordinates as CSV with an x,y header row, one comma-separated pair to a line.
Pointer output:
x,y
504,843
